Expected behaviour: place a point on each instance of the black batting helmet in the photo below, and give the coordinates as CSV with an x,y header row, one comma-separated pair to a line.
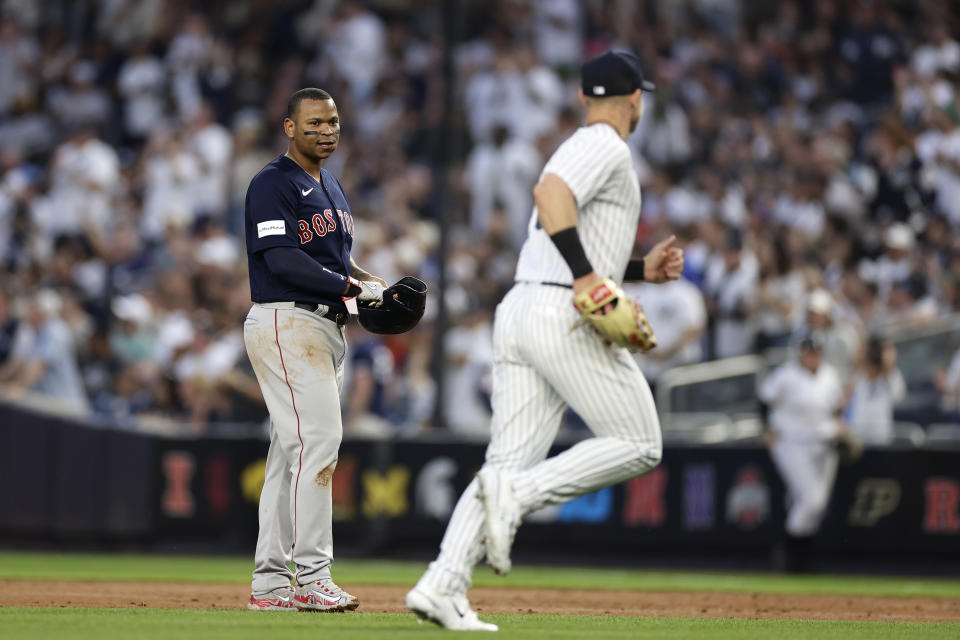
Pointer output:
x,y
402,308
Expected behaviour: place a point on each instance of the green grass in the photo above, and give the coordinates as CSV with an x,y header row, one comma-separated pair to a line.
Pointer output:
x,y
78,566
156,624
31,623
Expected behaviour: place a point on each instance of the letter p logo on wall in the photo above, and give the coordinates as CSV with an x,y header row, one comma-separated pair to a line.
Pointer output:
x,y
874,499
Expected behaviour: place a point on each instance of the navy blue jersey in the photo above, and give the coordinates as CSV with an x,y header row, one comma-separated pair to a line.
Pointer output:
x,y
287,207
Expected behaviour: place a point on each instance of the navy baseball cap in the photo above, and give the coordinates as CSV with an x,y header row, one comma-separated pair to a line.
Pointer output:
x,y
613,73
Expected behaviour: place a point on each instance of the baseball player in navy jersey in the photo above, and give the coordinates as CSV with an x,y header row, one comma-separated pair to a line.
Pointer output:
x,y
299,233
587,206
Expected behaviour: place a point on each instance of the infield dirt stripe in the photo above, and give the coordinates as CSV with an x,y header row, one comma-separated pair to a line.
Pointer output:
x,y
389,599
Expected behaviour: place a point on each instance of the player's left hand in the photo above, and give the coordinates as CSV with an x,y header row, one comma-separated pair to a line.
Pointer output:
x,y
371,292
664,262
849,448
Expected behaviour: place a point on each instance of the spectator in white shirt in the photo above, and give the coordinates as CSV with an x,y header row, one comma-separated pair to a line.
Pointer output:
x,y
841,338
212,146
878,387
948,384
141,82
85,173
503,171
677,312
47,364
730,284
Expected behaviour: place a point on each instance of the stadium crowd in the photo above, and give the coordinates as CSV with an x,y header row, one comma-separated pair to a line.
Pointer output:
x,y
807,155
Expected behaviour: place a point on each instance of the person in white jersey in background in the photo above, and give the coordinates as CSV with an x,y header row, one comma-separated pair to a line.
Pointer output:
x,y
582,229
801,401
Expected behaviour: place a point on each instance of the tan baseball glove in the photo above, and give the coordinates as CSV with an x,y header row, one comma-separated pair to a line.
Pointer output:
x,y
624,324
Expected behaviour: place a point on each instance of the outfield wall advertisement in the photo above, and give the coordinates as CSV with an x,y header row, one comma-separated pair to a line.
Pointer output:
x,y
65,481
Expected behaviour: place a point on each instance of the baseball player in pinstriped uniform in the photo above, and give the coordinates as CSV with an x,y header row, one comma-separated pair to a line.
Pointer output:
x,y
803,399
299,233
582,228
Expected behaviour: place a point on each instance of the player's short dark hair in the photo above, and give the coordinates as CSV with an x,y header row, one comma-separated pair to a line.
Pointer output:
x,y
309,93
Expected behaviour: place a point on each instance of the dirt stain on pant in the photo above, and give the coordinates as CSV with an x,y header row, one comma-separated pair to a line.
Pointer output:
x,y
325,475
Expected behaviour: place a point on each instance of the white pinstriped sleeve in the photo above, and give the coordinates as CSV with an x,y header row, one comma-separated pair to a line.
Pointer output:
x,y
586,160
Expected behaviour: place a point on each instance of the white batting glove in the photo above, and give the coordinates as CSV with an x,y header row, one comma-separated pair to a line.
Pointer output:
x,y
371,293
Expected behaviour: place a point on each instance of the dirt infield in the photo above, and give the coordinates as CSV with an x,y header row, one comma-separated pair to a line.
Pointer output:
x,y
389,599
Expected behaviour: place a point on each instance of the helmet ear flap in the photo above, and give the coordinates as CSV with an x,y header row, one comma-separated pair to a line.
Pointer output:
x,y
402,308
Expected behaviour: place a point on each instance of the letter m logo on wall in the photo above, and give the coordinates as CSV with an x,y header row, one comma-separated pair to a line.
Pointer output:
x,y
644,503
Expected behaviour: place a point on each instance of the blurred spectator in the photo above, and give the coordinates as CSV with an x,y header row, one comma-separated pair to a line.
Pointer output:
x,y
369,375
19,56
81,102
355,48
558,34
141,81
9,328
948,384
781,296
894,264
841,339
46,363
664,132
909,303
83,176
170,174
132,339
677,312
503,170
211,144
469,350
877,388
730,285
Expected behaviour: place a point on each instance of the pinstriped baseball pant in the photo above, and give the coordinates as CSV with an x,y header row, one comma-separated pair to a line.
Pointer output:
x,y
540,368
298,360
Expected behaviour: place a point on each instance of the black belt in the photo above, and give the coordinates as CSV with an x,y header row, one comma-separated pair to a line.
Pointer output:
x,y
549,284
340,317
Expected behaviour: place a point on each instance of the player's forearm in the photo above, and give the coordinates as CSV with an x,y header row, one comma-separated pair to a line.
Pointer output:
x,y
297,268
360,274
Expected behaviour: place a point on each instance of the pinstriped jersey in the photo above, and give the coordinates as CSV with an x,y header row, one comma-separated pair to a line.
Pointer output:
x,y
595,164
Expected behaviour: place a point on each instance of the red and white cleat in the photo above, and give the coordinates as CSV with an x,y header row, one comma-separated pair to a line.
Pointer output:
x,y
280,599
324,595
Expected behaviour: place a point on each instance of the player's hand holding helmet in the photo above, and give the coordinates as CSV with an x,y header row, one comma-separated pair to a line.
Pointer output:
x,y
371,293
624,324
400,309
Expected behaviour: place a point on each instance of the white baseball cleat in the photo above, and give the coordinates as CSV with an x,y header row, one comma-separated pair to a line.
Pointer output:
x,y
449,612
324,595
280,599
503,516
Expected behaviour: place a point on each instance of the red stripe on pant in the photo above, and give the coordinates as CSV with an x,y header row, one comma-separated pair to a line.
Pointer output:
x,y
296,486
